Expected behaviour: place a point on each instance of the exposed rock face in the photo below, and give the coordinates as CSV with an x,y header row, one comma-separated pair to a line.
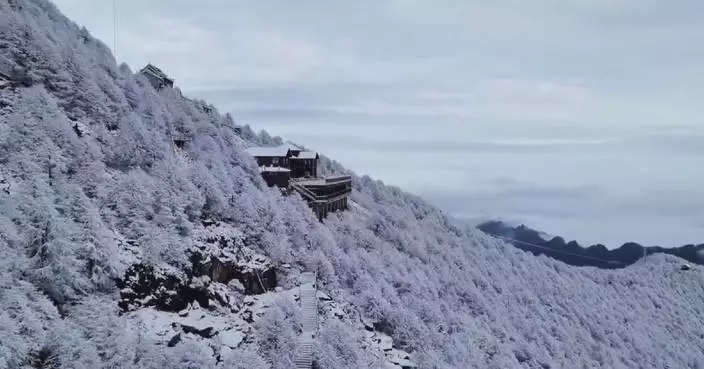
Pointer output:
x,y
205,332
174,340
221,254
221,269
384,326
256,275
144,285
219,329
378,332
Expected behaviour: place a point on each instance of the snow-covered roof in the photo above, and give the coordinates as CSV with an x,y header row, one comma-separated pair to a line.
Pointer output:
x,y
151,69
306,155
268,151
274,169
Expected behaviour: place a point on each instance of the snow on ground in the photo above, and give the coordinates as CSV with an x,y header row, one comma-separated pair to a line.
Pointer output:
x,y
446,294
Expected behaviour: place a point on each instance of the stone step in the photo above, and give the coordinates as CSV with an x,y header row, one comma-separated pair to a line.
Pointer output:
x,y
307,277
309,321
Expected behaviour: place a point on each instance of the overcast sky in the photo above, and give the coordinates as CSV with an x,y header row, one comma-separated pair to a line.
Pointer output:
x,y
579,117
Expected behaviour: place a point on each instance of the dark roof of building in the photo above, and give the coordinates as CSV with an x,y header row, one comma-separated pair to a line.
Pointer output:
x,y
151,69
306,155
302,154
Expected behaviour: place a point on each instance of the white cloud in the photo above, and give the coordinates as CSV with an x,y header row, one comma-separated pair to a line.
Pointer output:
x,y
371,73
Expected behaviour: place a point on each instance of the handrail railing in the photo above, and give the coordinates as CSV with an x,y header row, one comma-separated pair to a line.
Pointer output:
x,y
317,325
338,179
312,196
304,191
333,195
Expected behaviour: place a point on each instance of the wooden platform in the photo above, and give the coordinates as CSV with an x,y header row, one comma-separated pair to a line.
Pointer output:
x,y
324,195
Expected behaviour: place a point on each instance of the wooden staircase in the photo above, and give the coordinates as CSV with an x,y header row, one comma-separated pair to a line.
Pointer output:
x,y
309,323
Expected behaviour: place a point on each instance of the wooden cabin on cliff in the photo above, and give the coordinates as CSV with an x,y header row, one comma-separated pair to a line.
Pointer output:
x,y
157,77
289,166
305,164
271,156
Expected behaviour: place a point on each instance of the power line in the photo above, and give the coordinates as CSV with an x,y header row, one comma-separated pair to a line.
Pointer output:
x,y
558,251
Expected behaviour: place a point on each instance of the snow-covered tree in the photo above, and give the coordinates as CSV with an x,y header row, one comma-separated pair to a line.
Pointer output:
x,y
92,184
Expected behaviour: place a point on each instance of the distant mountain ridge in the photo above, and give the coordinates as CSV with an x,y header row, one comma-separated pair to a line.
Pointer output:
x,y
136,232
573,253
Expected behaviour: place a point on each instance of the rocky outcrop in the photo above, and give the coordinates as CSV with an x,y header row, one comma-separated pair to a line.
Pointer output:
x,y
378,332
257,275
220,253
205,332
226,288
219,329
148,286
174,340
221,270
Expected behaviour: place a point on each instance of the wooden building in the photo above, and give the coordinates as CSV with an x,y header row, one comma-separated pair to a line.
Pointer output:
x,y
271,156
276,176
301,163
291,167
304,164
156,77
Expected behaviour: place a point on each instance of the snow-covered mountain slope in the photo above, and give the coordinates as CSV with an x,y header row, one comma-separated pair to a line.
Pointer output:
x,y
120,250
